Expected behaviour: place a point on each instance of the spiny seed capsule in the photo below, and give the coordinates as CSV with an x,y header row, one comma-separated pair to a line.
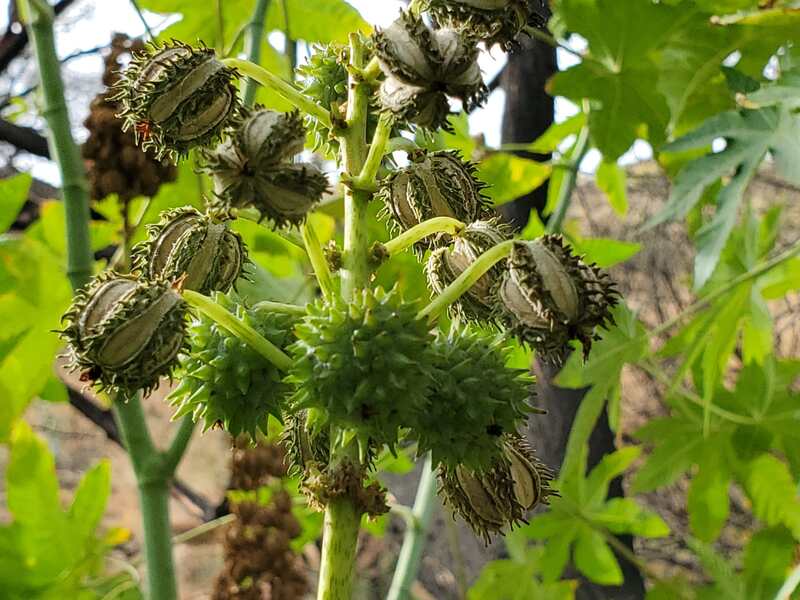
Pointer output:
x,y
176,98
492,21
125,333
549,296
437,184
252,168
199,246
491,499
423,65
446,264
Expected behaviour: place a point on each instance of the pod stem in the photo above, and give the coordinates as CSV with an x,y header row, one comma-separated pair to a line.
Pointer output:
x,y
318,261
466,280
377,150
282,87
238,328
422,230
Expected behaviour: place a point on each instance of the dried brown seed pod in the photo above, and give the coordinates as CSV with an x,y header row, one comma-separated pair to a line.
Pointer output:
x,y
125,333
549,296
199,247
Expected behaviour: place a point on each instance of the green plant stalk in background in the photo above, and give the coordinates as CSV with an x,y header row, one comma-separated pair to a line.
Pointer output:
x,y
252,47
414,539
39,17
153,468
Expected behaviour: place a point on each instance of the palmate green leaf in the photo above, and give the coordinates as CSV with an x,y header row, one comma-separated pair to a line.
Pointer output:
x,y
621,74
510,177
767,559
14,192
707,501
773,492
750,135
579,517
552,138
316,20
626,342
594,558
610,179
89,503
33,295
517,579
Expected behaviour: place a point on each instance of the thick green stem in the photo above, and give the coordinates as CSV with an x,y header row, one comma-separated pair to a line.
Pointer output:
x,y
62,146
154,502
342,515
318,261
579,150
284,88
152,476
377,150
414,540
339,538
252,47
240,329
421,231
466,280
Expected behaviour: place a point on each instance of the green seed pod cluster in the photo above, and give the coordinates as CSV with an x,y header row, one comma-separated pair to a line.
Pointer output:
x,y
498,497
550,296
423,66
475,400
201,247
253,168
365,366
435,184
125,333
324,78
492,21
176,97
224,381
446,264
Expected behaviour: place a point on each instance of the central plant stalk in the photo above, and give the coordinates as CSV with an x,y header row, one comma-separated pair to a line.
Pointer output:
x,y
342,515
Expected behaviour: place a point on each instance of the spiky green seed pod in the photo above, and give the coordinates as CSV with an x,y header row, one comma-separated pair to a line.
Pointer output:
x,y
550,296
125,333
492,21
498,497
436,62
251,168
324,78
201,247
446,264
224,382
365,366
176,98
476,399
436,184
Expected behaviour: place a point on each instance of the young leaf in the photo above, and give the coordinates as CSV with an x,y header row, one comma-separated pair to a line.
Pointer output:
x,y
749,134
707,501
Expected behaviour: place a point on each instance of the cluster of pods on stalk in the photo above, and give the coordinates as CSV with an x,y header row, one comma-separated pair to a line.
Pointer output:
x,y
372,370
